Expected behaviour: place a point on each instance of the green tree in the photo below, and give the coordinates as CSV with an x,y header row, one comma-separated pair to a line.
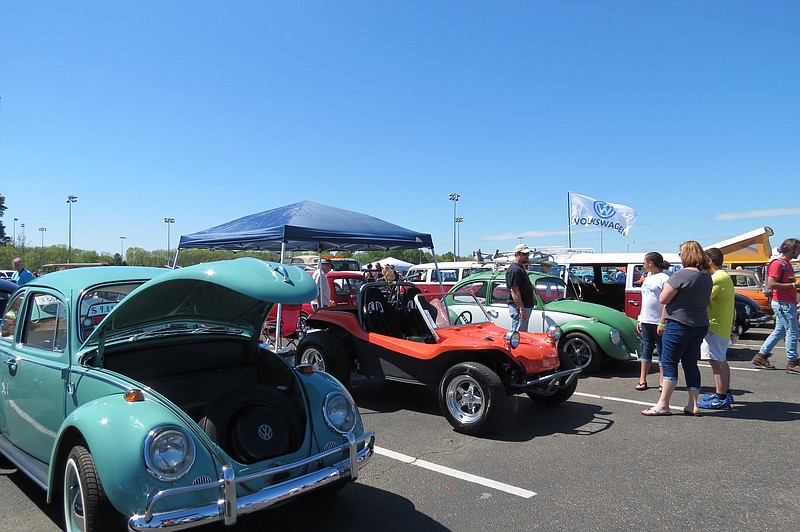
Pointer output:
x,y
5,240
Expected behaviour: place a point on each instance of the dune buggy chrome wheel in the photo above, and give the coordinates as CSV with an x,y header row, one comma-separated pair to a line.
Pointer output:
x,y
472,397
326,352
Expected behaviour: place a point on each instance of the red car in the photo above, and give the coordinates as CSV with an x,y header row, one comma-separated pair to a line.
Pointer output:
x,y
344,287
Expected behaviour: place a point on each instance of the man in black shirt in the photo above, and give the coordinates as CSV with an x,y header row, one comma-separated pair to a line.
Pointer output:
x,y
520,289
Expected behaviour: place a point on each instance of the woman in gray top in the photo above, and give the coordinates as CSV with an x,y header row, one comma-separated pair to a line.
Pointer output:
x,y
686,296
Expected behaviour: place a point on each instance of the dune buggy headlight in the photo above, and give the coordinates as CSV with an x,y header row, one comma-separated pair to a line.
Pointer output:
x,y
615,338
168,453
512,339
339,412
555,332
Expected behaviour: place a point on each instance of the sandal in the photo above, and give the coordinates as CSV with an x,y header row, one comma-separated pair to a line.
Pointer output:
x,y
642,386
652,411
687,412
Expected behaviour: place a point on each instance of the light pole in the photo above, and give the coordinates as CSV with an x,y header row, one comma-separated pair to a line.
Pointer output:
x,y
628,248
15,231
454,198
70,199
168,221
42,230
121,249
458,240
22,228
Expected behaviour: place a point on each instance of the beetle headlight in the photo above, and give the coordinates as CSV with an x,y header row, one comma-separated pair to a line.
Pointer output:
x,y
512,339
615,338
555,332
339,412
168,453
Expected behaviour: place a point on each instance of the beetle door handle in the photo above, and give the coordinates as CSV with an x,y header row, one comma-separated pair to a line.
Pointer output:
x,y
11,363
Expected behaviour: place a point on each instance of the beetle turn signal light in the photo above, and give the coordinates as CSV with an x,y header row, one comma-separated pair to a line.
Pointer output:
x,y
305,369
133,396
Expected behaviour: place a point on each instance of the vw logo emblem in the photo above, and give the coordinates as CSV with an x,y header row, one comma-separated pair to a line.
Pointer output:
x,y
265,432
604,210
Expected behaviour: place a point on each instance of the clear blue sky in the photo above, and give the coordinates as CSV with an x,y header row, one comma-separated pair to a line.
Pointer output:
x,y
688,112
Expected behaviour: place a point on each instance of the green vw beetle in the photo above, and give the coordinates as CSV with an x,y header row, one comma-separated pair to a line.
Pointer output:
x,y
589,331
141,398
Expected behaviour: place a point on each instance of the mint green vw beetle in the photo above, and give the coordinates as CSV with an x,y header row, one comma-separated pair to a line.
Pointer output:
x,y
141,398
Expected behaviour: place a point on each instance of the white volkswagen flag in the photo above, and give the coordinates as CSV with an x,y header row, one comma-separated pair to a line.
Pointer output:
x,y
584,210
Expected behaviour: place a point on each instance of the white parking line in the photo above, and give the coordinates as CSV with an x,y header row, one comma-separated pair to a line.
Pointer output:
x,y
738,369
500,486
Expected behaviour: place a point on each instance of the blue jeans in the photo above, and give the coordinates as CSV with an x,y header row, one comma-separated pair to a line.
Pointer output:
x,y
682,343
650,341
785,329
516,323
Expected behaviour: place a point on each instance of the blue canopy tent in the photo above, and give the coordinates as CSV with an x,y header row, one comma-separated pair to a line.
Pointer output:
x,y
305,226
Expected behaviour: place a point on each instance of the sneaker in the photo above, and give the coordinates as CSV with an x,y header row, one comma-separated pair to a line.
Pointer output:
x,y
715,404
762,361
793,367
712,396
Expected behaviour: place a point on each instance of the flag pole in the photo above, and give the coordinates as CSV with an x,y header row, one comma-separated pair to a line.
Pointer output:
x,y
569,226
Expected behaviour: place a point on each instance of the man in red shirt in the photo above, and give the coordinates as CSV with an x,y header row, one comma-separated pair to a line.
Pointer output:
x,y
780,279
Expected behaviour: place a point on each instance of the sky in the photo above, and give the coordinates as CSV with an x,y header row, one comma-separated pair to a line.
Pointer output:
x,y
688,112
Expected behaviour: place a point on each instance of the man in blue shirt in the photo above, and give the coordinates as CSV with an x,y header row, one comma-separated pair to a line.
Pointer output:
x,y
22,275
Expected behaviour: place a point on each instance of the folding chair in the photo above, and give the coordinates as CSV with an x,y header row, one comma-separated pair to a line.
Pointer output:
x,y
290,334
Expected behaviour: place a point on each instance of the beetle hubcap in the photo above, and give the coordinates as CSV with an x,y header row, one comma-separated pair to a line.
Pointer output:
x,y
578,351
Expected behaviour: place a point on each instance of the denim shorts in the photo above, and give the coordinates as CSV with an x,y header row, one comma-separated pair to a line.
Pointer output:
x,y
681,343
651,341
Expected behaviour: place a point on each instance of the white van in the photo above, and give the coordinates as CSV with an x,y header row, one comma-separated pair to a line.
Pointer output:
x,y
610,279
426,277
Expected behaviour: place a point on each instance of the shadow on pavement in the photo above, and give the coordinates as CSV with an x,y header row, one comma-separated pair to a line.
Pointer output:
x,y
523,420
356,507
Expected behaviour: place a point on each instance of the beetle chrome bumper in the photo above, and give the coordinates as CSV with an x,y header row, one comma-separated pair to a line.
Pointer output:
x,y
227,506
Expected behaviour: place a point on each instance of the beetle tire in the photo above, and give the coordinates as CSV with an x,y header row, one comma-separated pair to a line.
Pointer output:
x,y
85,504
326,352
561,394
471,397
577,345
235,418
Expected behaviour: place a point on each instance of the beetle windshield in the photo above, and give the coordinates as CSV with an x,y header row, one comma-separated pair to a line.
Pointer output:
x,y
98,301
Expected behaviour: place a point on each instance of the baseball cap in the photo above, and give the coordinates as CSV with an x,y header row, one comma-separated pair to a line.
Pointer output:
x,y
522,248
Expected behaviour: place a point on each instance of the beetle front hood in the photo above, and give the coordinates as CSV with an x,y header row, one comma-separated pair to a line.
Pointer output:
x,y
230,293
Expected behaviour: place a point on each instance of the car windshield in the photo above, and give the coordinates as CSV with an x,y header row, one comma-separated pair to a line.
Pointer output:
x,y
97,302
345,286
451,310
552,289
346,265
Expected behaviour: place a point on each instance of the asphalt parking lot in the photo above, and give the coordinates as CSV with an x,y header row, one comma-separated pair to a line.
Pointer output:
x,y
593,463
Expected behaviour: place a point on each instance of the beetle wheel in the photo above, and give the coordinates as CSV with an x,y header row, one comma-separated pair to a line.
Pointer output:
x,y
581,348
85,504
254,423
